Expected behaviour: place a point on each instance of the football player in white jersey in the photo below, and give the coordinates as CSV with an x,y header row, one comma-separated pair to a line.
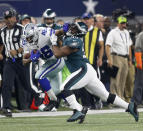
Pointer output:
x,y
37,44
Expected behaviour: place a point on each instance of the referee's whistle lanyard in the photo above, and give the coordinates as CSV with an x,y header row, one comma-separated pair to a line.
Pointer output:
x,y
124,41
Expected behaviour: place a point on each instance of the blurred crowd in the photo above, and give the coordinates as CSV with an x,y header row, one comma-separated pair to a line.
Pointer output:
x,y
119,69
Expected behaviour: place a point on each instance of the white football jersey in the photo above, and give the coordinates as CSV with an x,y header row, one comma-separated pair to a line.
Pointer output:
x,y
44,44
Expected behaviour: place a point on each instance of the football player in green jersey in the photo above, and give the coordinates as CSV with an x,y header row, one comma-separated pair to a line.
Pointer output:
x,y
83,75
49,20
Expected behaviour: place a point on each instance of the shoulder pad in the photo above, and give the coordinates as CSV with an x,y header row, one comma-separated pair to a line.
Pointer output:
x,y
41,25
74,43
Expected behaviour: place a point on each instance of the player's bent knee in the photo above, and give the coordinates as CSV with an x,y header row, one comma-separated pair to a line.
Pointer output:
x,y
111,98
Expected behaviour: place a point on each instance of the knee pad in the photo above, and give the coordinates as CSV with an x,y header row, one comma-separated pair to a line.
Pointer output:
x,y
111,98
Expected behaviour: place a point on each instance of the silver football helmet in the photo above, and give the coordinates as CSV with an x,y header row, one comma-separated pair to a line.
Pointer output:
x,y
30,33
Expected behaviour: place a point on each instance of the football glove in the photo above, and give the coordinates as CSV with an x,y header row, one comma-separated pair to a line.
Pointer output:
x,y
35,56
66,27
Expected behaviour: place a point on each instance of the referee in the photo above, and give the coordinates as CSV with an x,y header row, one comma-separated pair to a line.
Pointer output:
x,y
10,39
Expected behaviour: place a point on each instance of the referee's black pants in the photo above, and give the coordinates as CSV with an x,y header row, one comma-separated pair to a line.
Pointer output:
x,y
13,72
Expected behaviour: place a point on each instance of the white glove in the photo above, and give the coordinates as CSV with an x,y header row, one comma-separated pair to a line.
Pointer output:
x,y
53,39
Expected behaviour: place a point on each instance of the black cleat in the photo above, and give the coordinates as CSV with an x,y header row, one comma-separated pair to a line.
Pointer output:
x,y
76,116
50,106
74,111
84,111
6,112
132,108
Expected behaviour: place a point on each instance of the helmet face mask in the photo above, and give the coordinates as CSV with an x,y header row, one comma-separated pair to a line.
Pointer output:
x,y
29,39
73,30
30,33
49,21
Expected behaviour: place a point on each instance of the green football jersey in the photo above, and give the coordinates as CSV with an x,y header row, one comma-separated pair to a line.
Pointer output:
x,y
75,60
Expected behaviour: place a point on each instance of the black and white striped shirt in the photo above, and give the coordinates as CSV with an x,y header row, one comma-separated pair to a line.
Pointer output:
x,y
11,39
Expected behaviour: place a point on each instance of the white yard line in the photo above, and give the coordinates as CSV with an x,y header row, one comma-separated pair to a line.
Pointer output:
x,y
63,113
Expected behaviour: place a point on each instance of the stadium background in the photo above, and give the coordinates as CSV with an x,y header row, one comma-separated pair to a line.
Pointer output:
x,y
67,9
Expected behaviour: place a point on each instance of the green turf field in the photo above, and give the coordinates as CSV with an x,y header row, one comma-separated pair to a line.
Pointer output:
x,y
97,122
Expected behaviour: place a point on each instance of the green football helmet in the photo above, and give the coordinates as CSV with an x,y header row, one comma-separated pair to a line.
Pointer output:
x,y
48,13
78,29
48,17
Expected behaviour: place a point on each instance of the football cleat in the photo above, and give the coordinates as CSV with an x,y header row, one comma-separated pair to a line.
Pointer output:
x,y
76,116
48,107
42,107
6,112
84,111
132,108
74,111
98,105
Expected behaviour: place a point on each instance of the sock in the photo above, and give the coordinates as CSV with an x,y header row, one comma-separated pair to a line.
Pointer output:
x,y
45,84
52,95
120,102
73,103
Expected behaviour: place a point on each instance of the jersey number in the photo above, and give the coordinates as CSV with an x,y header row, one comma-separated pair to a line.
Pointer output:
x,y
44,32
46,51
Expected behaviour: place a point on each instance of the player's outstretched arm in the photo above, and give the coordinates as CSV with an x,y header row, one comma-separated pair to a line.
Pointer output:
x,y
62,51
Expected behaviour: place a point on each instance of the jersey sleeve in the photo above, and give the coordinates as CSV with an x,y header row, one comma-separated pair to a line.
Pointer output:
x,y
130,40
110,39
25,46
74,43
